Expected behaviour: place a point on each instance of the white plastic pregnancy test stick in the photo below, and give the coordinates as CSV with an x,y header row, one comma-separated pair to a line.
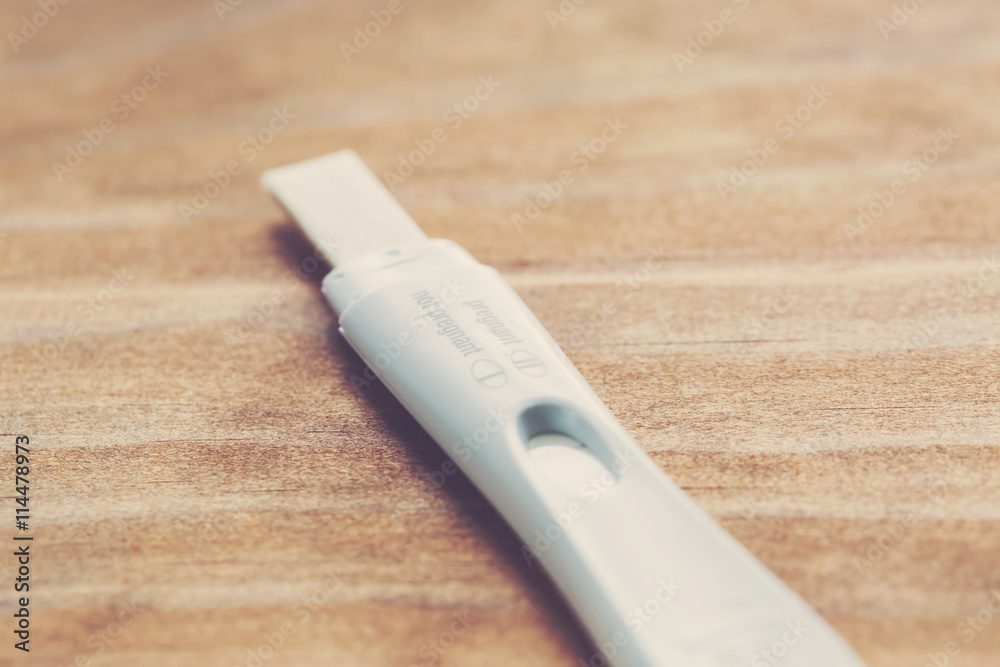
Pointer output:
x,y
653,579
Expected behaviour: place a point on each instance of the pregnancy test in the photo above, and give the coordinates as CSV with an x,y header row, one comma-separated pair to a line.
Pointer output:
x,y
654,580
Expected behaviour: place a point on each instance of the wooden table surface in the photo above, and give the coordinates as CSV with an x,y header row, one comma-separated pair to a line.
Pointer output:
x,y
209,479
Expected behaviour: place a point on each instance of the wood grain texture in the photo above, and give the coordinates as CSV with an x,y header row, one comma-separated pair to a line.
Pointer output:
x,y
200,451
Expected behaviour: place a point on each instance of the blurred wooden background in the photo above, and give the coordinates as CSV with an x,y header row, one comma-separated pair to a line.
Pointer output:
x,y
827,391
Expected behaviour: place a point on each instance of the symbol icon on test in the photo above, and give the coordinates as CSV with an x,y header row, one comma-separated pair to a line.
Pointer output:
x,y
528,363
488,373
